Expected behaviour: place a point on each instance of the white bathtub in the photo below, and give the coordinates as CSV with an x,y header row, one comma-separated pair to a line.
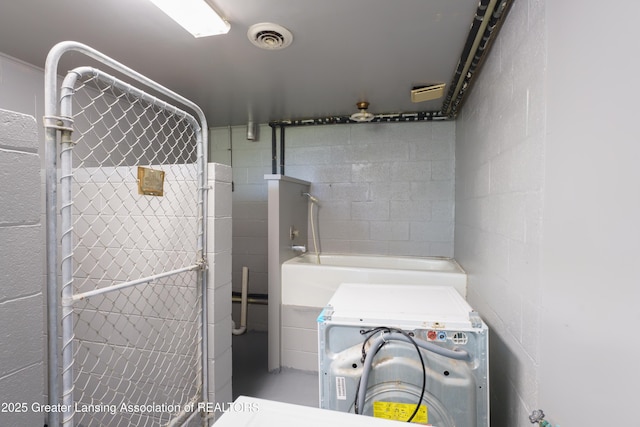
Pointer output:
x,y
306,283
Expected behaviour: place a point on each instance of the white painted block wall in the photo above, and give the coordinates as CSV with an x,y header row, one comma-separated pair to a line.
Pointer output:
x,y
251,161
21,259
219,283
546,212
500,142
384,189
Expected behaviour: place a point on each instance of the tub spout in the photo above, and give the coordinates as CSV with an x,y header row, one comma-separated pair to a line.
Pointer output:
x,y
299,249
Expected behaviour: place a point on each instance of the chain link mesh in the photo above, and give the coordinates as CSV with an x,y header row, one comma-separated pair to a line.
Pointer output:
x,y
137,356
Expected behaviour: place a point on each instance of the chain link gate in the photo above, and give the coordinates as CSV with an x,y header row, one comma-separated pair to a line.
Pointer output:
x,y
132,256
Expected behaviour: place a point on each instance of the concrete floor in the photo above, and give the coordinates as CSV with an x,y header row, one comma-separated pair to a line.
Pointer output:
x,y
251,378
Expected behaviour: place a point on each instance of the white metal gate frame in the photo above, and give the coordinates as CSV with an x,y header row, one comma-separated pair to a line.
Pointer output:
x,y
59,127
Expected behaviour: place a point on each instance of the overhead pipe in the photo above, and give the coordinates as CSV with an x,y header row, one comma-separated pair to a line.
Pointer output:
x,y
418,116
282,150
489,17
274,151
336,120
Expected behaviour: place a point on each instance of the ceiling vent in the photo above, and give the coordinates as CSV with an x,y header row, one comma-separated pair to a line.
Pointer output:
x,y
269,36
427,93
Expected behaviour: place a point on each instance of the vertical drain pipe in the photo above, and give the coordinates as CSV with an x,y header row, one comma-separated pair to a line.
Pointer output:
x,y
243,306
274,151
282,150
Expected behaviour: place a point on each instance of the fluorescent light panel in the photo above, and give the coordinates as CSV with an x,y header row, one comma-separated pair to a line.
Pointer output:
x,y
195,16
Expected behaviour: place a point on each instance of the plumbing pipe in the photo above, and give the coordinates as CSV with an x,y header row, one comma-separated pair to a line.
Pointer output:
x,y
537,417
243,308
250,300
313,201
274,156
282,150
299,249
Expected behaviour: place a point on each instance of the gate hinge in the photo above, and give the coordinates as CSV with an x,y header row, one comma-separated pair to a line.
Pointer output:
x,y
203,264
58,123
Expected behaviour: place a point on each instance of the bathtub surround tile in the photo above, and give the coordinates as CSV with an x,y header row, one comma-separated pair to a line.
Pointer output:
x,y
390,191
433,231
373,210
411,171
368,247
349,230
410,210
370,172
389,231
420,248
334,210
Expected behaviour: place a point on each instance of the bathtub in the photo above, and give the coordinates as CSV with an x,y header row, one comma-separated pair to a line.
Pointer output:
x,y
307,288
306,283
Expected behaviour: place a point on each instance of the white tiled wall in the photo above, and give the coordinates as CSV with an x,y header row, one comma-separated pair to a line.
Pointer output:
x,y
500,143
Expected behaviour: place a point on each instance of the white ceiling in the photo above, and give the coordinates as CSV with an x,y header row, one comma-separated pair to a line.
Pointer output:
x,y
343,51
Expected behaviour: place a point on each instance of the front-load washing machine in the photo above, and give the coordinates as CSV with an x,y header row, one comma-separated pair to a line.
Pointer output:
x,y
404,352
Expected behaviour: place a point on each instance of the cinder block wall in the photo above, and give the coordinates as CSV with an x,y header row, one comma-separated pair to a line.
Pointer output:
x,y
385,189
21,259
500,149
219,283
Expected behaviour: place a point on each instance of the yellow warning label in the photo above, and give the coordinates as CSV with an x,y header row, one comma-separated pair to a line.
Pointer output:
x,y
400,412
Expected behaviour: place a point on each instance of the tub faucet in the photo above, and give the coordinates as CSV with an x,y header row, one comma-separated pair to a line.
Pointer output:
x,y
301,249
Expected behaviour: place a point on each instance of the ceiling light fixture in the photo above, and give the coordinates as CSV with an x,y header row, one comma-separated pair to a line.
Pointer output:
x,y
363,115
195,16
